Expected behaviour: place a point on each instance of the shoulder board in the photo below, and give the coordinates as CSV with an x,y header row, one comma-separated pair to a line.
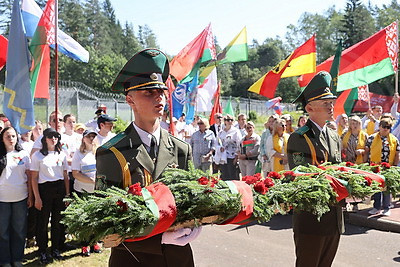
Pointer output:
x,y
113,141
177,139
303,130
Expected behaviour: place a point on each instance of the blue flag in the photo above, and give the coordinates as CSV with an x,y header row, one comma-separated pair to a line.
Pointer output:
x,y
178,99
190,102
18,102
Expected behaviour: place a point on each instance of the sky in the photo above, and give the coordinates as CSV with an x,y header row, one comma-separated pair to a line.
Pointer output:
x,y
177,22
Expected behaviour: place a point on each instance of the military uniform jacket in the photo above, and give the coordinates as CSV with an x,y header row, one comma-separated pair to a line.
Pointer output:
x,y
126,153
299,153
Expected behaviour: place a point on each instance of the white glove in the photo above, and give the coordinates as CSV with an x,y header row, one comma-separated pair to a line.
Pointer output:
x,y
180,237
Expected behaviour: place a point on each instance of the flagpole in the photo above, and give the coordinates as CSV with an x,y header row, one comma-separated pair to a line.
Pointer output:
x,y
396,74
56,60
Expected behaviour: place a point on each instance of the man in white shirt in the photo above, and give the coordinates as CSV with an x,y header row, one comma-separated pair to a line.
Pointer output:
x,y
105,124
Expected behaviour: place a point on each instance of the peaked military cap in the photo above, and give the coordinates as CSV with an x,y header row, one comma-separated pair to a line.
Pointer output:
x,y
317,89
147,69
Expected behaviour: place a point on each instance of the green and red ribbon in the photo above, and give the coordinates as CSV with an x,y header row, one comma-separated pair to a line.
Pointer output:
x,y
160,200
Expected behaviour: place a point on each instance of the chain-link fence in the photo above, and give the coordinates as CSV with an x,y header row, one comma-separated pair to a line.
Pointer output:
x,y
81,100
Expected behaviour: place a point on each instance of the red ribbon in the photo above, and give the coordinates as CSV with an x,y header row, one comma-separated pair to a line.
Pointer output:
x,y
247,204
373,176
165,201
340,189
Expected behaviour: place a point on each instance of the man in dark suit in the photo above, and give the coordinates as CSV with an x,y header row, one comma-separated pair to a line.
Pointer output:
x,y
316,241
218,125
140,154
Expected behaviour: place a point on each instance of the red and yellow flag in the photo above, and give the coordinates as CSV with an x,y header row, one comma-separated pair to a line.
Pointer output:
x,y
301,61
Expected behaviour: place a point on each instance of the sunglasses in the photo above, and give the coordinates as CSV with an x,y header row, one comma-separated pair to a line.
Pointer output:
x,y
219,117
228,119
52,136
386,127
251,127
200,123
59,120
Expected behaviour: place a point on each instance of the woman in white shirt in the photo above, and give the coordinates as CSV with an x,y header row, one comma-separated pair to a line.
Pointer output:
x,y
50,185
84,172
228,142
15,197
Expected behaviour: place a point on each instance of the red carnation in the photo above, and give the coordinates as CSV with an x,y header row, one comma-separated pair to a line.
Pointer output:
x,y
348,164
321,167
258,176
342,169
260,188
203,180
372,164
385,165
274,175
376,169
268,182
213,182
368,180
289,173
135,189
250,179
122,205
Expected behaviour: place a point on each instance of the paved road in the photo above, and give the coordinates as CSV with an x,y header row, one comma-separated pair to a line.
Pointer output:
x,y
271,244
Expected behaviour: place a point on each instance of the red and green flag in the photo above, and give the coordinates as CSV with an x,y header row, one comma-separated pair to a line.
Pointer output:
x,y
235,51
217,104
3,51
365,62
185,65
302,60
40,50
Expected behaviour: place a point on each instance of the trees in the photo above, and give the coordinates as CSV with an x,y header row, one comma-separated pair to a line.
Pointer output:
x,y
358,23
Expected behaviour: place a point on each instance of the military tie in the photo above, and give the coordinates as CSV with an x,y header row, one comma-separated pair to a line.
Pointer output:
x,y
153,144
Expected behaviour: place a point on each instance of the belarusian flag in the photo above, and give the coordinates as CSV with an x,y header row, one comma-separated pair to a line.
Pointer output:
x,y
348,98
302,60
40,50
365,62
200,50
235,51
3,51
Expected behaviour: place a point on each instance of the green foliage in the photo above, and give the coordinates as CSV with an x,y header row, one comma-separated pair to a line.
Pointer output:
x,y
95,216
120,125
252,116
196,201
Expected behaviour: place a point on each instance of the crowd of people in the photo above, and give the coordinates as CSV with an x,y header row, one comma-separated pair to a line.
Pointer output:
x,y
41,167
38,170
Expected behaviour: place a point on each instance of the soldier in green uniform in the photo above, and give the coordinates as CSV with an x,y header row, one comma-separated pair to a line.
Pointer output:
x,y
316,241
140,154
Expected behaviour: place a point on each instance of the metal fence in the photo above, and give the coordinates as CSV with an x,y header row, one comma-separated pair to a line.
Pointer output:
x,y
81,100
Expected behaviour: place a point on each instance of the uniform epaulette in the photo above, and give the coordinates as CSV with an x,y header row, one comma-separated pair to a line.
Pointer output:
x,y
303,130
113,140
177,139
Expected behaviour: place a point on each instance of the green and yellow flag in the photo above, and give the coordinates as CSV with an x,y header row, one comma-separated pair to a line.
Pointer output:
x,y
235,51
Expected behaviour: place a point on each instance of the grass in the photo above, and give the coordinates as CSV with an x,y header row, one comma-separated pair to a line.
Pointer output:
x,y
72,258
